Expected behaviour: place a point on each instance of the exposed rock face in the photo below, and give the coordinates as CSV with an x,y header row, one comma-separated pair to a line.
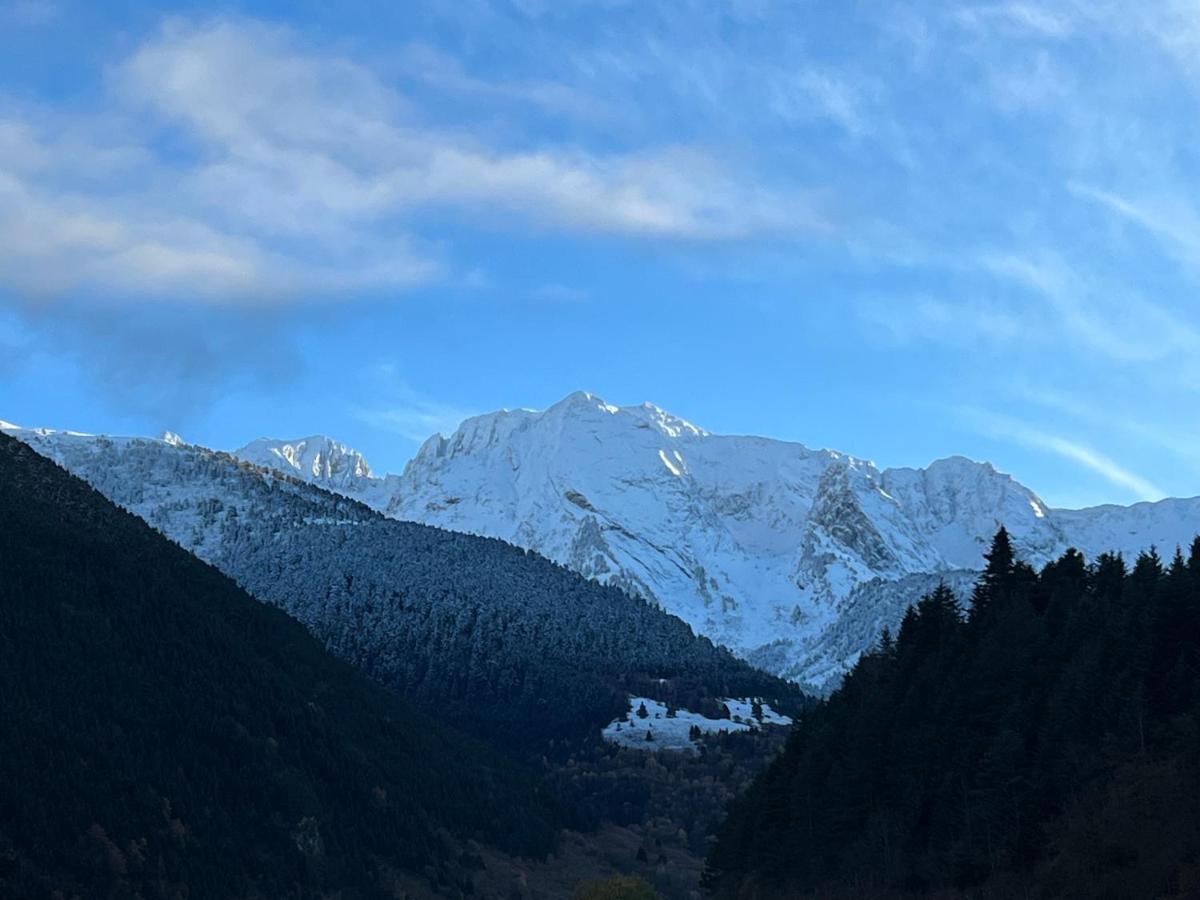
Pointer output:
x,y
793,557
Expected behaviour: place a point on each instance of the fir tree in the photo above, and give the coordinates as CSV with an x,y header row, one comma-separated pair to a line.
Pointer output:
x,y
996,580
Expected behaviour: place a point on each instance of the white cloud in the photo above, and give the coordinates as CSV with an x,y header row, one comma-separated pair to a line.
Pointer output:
x,y
1105,317
1097,462
305,173
1169,219
559,293
817,93
324,136
1181,439
1007,428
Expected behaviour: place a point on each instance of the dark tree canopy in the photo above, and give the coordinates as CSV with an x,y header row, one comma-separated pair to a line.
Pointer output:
x,y
162,734
494,639
1046,745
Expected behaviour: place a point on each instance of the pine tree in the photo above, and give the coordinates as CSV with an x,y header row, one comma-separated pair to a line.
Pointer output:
x,y
996,580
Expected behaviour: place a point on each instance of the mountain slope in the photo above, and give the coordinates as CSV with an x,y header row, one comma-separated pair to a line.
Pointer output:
x,y
165,734
1044,746
496,640
787,555
322,461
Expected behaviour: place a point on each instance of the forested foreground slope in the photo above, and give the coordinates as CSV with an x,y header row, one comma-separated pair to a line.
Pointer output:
x,y
1045,745
489,637
163,734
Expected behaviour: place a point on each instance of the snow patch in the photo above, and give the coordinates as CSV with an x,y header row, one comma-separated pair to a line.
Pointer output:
x,y
662,454
659,731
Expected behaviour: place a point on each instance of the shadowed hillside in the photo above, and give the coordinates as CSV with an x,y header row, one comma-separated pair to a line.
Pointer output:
x,y
1045,745
165,735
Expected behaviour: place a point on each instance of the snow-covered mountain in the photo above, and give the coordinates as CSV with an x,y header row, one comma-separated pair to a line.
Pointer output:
x,y
793,557
322,461
496,640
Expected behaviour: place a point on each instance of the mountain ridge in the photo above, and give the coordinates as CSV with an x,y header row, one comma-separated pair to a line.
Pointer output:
x,y
501,642
791,556
761,544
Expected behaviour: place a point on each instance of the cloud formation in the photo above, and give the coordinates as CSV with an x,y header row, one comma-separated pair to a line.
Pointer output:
x,y
294,171
1009,428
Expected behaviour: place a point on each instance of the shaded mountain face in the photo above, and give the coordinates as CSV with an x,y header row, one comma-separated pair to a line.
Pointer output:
x,y
490,637
1042,746
790,556
166,735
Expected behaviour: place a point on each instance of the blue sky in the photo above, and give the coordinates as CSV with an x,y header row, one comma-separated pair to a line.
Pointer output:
x,y
899,232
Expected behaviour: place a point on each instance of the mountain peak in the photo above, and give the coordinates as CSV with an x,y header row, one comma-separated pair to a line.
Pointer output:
x,y
790,556
316,458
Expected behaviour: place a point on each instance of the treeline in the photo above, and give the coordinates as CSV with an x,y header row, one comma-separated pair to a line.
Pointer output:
x,y
164,735
494,639
1042,742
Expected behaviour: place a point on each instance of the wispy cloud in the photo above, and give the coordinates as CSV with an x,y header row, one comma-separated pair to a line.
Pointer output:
x,y
1044,20
404,411
964,322
559,293
1180,440
1107,317
1171,220
1008,428
307,175
813,93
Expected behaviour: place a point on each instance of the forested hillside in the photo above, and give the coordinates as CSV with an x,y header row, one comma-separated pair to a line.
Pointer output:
x,y
490,637
163,734
1043,744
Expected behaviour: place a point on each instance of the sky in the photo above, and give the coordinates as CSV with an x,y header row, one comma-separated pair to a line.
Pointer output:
x,y
903,231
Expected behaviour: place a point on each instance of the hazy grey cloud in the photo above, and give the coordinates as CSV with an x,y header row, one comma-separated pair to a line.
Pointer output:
x,y
167,364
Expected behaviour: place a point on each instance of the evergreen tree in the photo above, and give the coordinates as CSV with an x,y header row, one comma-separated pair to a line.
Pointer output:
x,y
994,583
1045,747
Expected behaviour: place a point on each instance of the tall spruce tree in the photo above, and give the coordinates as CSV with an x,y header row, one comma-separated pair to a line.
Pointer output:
x,y
997,576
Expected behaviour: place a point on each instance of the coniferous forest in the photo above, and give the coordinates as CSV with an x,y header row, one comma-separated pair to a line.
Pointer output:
x,y
164,735
167,735
1040,739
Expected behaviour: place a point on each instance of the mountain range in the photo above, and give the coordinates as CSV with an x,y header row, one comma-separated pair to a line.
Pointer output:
x,y
489,637
792,557
795,558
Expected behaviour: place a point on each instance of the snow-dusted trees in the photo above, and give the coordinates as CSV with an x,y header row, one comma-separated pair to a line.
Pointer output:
x,y
499,640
